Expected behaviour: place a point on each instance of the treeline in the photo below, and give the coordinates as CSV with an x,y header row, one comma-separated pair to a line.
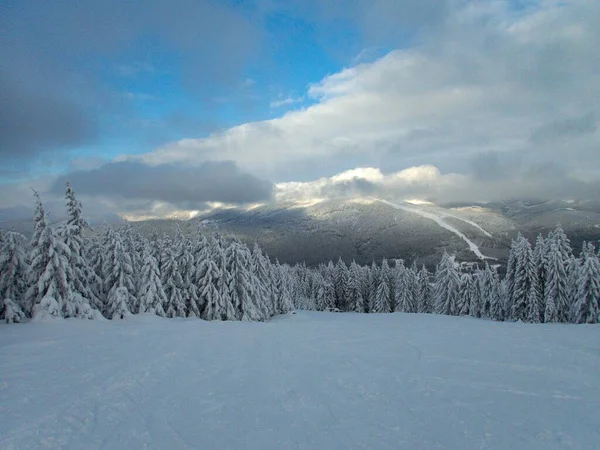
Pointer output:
x,y
543,283
65,271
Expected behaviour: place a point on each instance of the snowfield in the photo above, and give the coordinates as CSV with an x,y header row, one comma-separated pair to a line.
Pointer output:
x,y
305,381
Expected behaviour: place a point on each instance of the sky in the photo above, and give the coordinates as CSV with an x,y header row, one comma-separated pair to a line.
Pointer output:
x,y
154,107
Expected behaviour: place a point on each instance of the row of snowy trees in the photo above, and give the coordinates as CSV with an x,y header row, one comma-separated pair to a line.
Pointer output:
x,y
544,283
66,271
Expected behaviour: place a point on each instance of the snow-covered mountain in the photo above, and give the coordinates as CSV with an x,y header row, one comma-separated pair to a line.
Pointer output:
x,y
367,229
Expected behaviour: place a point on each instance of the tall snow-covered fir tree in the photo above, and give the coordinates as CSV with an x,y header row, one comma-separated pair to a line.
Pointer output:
x,y
118,272
424,295
509,279
382,298
241,288
14,274
222,282
151,295
94,257
284,301
525,302
496,311
83,298
207,274
557,307
573,268
587,305
342,276
173,284
118,303
540,251
261,267
187,268
447,285
465,292
49,289
406,287
355,296
388,277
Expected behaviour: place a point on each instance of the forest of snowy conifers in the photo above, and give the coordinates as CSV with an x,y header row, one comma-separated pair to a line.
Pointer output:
x,y
66,271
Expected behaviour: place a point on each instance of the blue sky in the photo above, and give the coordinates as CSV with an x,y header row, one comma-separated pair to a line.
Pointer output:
x,y
454,97
154,84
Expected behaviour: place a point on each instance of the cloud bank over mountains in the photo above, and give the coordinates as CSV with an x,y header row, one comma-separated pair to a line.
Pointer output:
x,y
490,102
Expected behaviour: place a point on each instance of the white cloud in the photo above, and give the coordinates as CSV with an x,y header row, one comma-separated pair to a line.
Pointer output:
x,y
489,83
289,100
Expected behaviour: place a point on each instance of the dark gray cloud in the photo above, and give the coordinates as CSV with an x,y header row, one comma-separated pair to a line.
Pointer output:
x,y
30,121
566,128
187,187
59,60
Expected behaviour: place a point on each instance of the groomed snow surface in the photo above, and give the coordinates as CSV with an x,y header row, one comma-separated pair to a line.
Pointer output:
x,y
305,381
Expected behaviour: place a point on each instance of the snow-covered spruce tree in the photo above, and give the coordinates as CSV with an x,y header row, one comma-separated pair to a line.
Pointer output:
x,y
321,300
382,298
118,303
284,301
424,296
14,273
387,276
558,238
486,288
464,296
573,269
222,282
172,285
366,287
131,243
406,287
557,308
509,279
10,311
355,299
525,302
539,259
207,274
328,286
118,272
49,289
82,296
151,295
342,275
200,252
496,311
304,286
587,306
260,267
187,269
447,284
94,258
241,290
374,277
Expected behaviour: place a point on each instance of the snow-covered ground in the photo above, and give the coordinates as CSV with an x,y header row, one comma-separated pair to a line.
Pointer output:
x,y
309,380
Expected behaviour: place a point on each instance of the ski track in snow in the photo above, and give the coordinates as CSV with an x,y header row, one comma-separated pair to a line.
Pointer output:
x,y
304,381
440,221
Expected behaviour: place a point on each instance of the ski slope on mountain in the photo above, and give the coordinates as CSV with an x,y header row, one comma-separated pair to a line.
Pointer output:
x,y
304,381
439,219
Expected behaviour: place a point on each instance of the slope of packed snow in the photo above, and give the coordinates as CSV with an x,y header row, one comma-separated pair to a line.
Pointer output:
x,y
309,380
439,219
